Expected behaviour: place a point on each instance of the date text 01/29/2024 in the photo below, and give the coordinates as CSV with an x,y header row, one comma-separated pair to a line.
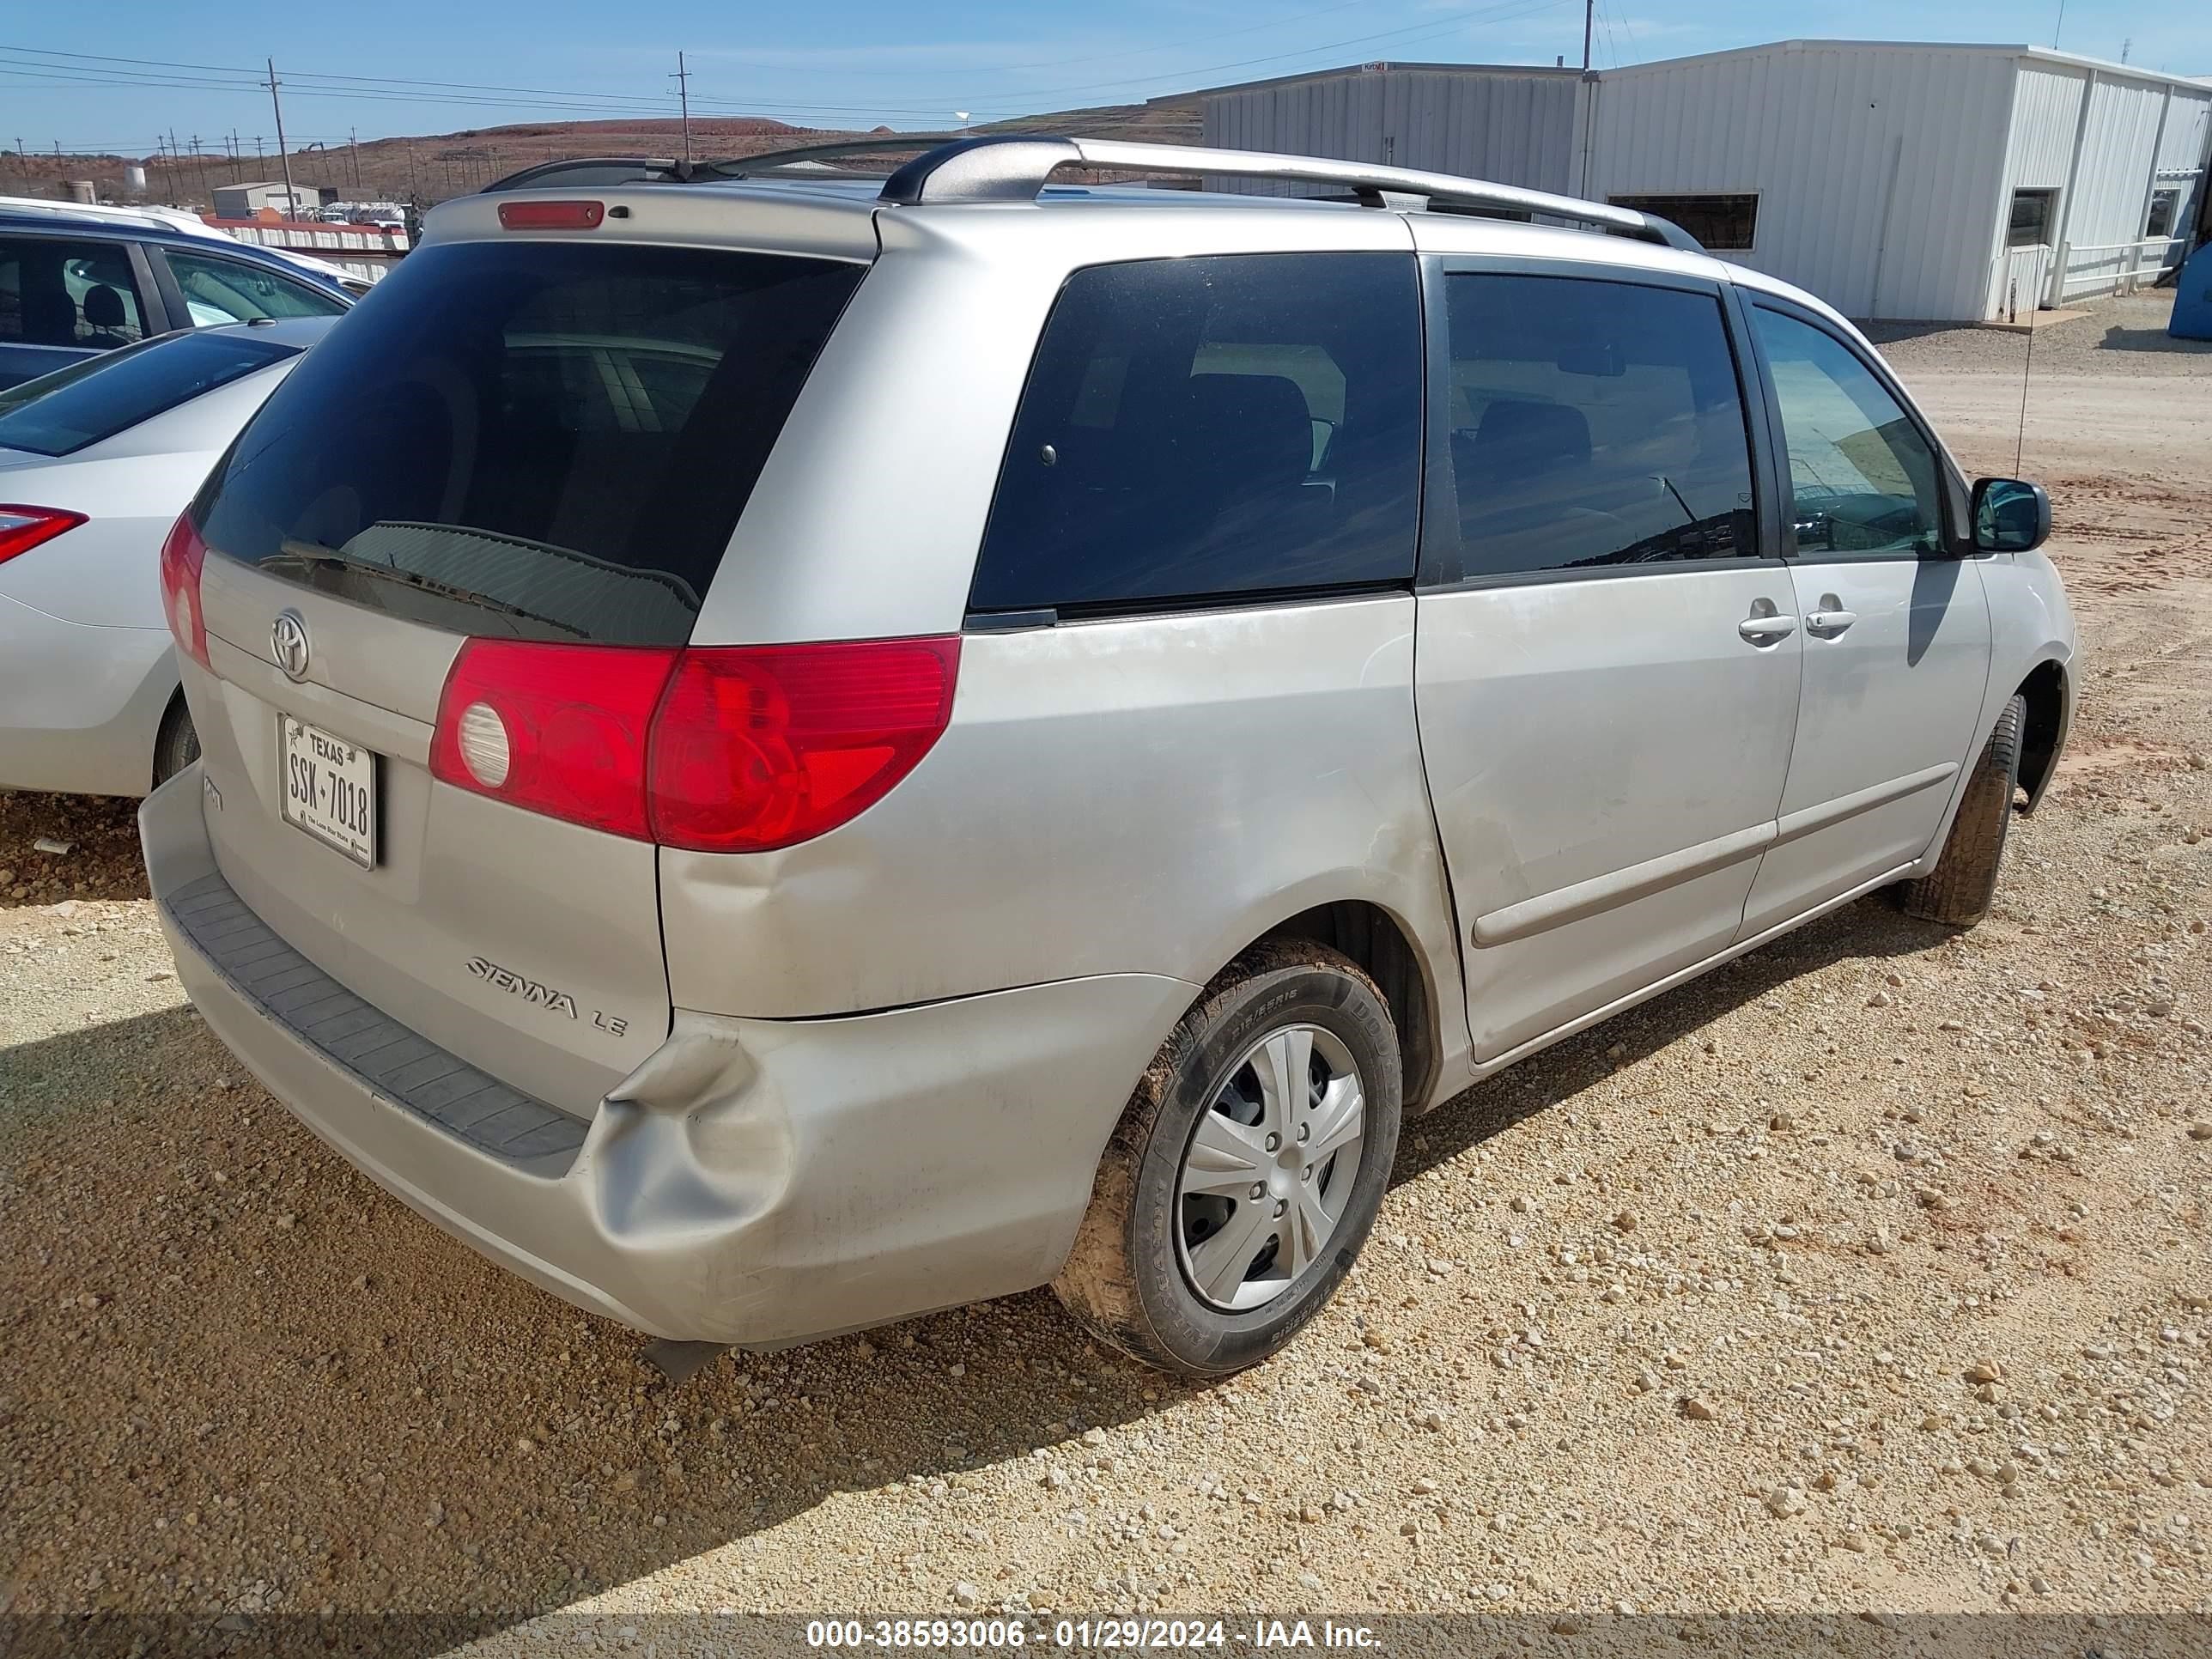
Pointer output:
x,y
996,1634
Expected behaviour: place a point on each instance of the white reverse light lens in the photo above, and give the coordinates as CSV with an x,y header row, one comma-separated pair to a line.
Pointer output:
x,y
484,748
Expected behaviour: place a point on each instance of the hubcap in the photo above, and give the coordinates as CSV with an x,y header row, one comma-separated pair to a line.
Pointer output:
x,y
1270,1168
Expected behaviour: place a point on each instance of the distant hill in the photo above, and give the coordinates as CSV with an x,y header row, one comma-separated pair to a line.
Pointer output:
x,y
432,166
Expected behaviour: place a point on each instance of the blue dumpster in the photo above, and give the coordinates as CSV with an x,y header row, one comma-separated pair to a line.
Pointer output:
x,y
2193,298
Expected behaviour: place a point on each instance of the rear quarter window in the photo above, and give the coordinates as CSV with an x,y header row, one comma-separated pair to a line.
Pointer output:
x,y
1209,429
539,440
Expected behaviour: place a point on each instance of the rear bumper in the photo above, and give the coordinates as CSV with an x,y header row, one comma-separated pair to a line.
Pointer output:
x,y
80,705
754,1181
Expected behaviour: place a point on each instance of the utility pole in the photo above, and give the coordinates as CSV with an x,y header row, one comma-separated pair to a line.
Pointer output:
x,y
199,161
682,79
260,154
414,184
291,209
1590,18
353,145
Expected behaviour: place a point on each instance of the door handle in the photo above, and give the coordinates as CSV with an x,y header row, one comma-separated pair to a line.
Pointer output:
x,y
1766,630
1829,621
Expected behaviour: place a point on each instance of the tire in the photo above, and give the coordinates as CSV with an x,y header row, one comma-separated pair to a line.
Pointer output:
x,y
1959,890
1133,1279
176,745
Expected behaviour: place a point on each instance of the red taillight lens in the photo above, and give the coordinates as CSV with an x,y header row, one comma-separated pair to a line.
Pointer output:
x,y
182,555
765,746
551,215
559,729
22,528
737,749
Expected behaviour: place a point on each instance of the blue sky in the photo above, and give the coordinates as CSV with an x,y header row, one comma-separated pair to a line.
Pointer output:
x,y
861,62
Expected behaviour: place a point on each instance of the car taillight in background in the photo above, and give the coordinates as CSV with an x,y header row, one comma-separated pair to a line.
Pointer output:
x,y
22,528
182,555
730,749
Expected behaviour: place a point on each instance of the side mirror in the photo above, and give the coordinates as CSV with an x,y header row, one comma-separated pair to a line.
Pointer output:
x,y
2010,516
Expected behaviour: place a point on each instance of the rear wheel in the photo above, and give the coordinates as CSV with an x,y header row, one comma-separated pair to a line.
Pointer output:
x,y
1960,889
1248,1168
176,745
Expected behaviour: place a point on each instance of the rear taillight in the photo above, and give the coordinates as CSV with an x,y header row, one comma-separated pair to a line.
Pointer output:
x,y
22,528
737,749
558,729
182,555
764,746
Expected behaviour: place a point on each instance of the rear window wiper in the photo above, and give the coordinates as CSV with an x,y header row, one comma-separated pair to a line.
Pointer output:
x,y
303,556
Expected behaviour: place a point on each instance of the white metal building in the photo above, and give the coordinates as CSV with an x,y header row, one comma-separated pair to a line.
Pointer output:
x,y
245,201
1898,181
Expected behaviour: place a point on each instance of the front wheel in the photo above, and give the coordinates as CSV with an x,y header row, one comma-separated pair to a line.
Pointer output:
x,y
1962,886
1248,1168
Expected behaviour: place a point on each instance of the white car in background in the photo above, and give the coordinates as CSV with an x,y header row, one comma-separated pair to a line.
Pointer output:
x,y
96,461
191,224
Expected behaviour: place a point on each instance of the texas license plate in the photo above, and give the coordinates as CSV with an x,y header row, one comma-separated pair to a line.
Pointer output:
x,y
330,790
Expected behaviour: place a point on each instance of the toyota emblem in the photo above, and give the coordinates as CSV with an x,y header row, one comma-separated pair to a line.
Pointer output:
x,y
288,639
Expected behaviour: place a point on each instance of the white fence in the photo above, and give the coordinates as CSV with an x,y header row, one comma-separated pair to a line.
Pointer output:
x,y
2114,267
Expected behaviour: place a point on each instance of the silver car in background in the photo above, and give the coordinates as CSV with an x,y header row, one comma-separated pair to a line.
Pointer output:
x,y
97,461
785,751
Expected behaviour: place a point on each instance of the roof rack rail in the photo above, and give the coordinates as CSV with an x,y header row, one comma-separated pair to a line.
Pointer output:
x,y
594,170
666,169
1013,167
770,161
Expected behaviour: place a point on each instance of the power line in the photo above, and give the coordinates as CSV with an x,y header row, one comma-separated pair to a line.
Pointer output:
x,y
575,107
445,91
579,103
740,62
1504,12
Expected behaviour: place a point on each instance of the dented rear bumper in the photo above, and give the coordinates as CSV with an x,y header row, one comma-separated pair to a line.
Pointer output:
x,y
753,1181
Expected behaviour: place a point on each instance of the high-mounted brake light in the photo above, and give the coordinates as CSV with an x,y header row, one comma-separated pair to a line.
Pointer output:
x,y
551,215
182,555
22,528
737,749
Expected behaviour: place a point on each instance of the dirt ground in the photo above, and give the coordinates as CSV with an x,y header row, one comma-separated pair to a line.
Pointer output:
x,y
1869,1273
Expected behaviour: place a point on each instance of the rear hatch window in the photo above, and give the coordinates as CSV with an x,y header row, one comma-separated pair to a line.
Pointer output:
x,y
90,401
536,439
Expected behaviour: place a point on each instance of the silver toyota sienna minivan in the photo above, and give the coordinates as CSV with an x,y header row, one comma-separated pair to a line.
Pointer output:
x,y
787,750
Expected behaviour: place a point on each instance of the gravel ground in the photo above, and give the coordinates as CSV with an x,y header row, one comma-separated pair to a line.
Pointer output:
x,y
2123,336
1869,1273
